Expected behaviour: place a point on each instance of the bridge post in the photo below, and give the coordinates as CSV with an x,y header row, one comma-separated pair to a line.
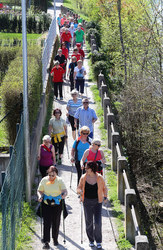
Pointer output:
x,y
106,102
121,165
110,119
130,199
103,89
100,80
141,242
114,139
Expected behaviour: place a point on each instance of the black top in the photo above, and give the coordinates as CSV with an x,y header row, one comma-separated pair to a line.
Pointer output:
x,y
61,58
72,66
91,191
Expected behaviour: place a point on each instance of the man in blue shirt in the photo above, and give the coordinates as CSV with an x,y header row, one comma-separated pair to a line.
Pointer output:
x,y
86,116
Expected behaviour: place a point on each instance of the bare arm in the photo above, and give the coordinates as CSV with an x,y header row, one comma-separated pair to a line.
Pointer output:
x,y
86,153
103,160
53,154
64,193
72,155
39,153
40,194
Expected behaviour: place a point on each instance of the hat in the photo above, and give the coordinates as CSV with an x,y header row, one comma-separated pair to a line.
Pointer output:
x,y
78,44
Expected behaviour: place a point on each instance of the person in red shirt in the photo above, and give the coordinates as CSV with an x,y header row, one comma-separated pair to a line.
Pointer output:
x,y
57,72
80,51
66,37
63,19
76,54
64,50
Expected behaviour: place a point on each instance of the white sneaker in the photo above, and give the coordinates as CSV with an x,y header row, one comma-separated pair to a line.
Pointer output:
x,y
99,245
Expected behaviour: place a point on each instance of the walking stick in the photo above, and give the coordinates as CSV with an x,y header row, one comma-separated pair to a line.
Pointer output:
x,y
41,221
81,221
67,150
64,240
71,174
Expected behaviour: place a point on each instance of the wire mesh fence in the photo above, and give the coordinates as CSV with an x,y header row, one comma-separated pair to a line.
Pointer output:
x,y
12,193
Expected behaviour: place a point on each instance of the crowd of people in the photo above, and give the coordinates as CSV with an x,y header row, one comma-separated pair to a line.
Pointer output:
x,y
85,152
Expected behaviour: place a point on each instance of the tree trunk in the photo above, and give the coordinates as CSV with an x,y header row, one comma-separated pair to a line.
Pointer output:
x,y
121,39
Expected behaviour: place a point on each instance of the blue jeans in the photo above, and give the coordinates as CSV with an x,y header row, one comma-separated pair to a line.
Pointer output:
x,y
80,84
67,45
93,219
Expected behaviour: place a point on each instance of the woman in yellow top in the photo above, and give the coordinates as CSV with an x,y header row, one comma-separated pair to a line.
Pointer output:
x,y
58,132
51,190
93,191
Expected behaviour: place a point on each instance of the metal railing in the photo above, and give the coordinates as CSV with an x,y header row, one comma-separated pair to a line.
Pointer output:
x,y
47,51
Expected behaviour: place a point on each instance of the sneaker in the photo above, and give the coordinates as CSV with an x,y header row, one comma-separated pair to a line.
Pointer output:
x,y
61,98
91,244
46,246
59,161
99,245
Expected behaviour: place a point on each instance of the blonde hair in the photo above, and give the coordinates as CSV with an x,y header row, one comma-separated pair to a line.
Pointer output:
x,y
84,129
96,141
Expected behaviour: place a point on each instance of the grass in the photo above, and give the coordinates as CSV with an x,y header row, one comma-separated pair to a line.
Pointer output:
x,y
18,36
72,6
24,228
117,213
3,135
26,231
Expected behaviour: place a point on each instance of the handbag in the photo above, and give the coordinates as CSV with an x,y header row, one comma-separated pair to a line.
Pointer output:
x,y
98,164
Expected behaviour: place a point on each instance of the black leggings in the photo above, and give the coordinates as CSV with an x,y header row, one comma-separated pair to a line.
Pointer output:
x,y
79,170
58,85
51,217
59,145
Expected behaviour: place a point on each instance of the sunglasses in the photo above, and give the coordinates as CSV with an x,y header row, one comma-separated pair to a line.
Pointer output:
x,y
85,102
57,113
97,145
85,133
51,175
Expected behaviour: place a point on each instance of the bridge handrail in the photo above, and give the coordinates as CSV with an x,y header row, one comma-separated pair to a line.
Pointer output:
x,y
126,194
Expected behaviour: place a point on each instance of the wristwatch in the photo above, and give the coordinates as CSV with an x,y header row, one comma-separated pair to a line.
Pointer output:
x,y
105,198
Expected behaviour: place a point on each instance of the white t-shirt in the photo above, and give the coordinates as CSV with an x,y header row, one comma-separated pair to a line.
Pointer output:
x,y
79,72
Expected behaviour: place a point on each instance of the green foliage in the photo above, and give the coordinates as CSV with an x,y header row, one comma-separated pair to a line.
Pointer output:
x,y
6,56
98,56
12,87
25,229
35,23
100,67
96,33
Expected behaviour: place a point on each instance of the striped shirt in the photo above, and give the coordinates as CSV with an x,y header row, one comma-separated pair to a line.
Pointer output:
x,y
73,106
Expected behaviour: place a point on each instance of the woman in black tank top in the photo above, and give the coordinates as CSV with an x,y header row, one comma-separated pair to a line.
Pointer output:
x,y
93,190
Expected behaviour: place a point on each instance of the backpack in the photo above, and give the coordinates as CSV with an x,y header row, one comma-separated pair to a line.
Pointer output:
x,y
76,151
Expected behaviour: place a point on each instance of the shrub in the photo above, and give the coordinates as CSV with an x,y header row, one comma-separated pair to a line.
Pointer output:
x,y
12,87
98,56
96,33
102,67
6,56
93,25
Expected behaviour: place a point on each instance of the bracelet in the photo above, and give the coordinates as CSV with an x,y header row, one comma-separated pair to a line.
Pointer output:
x,y
66,136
